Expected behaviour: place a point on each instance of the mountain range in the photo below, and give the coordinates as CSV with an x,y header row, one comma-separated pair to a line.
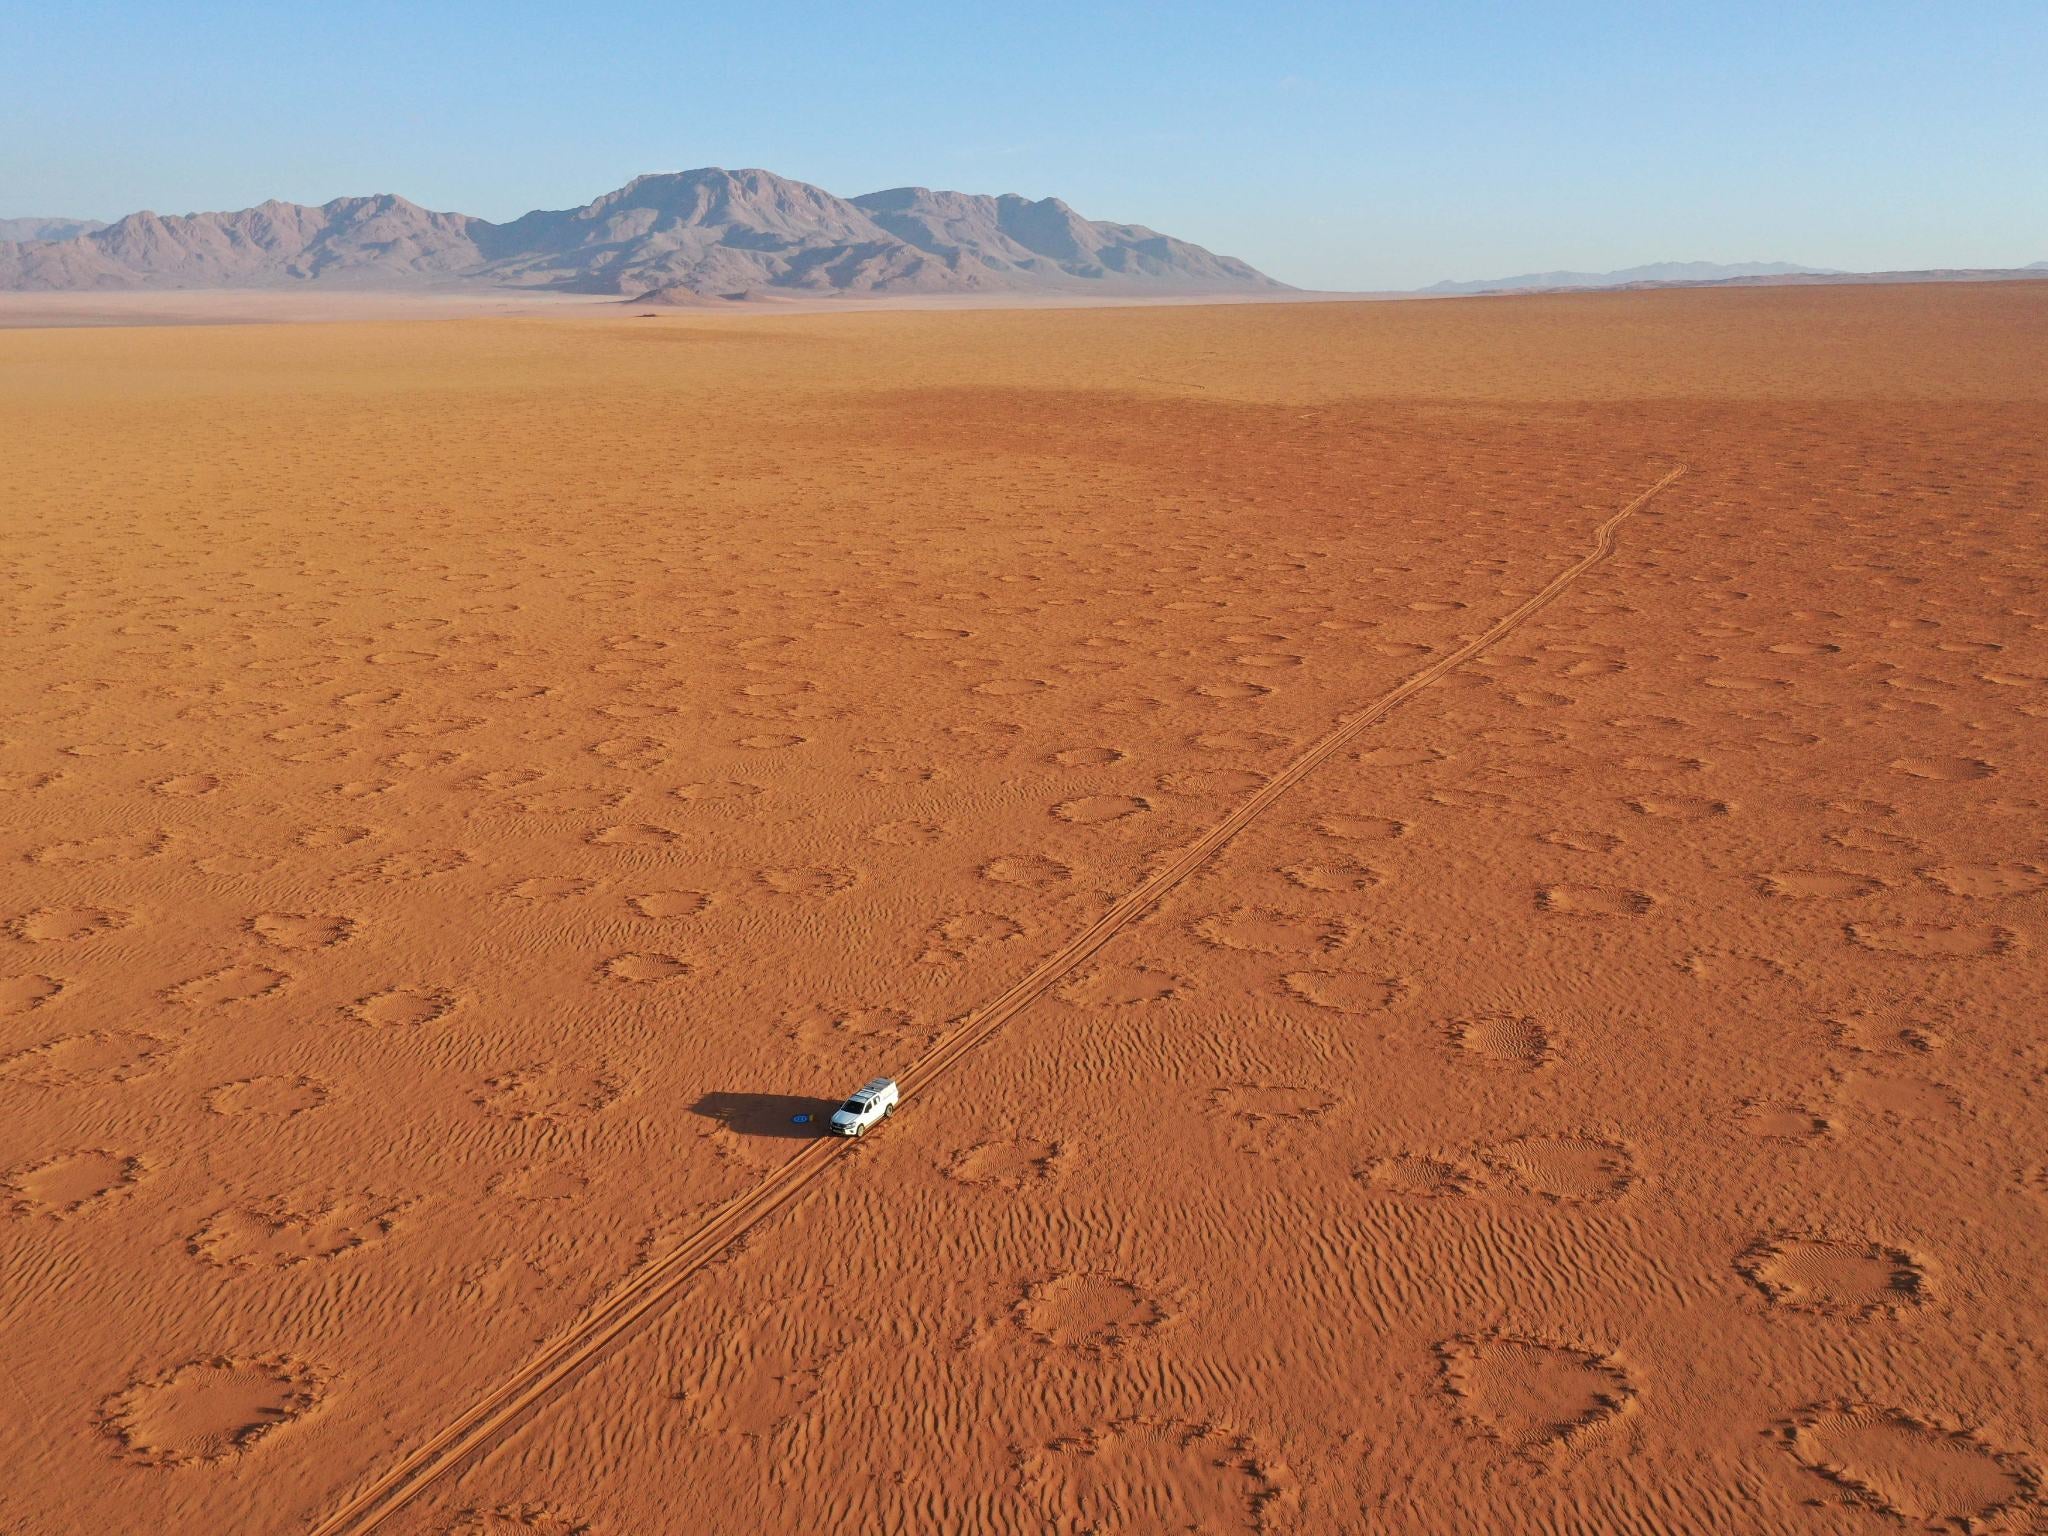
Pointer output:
x,y
679,237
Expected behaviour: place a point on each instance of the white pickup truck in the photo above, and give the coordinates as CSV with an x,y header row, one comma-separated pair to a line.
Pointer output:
x,y
870,1104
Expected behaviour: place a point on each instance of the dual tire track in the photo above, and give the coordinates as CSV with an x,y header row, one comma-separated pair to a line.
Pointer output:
x,y
502,1406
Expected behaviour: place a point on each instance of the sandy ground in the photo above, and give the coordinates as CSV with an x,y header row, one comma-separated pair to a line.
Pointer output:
x,y
1437,990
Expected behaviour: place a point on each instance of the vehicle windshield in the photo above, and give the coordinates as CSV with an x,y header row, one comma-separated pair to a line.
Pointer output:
x,y
854,1107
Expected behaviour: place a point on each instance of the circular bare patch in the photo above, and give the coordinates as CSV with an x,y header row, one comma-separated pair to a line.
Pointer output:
x,y
208,1409
1088,1313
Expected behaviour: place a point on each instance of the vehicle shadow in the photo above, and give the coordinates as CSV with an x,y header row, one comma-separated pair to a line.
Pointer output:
x,y
766,1114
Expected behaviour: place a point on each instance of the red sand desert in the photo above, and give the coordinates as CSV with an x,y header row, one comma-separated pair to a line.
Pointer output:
x,y
1456,891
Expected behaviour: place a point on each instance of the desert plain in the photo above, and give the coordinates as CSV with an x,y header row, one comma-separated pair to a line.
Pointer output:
x,y
1458,891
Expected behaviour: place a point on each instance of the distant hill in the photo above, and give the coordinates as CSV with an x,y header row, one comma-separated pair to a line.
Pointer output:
x,y
33,231
1711,274
1655,272
684,237
2036,271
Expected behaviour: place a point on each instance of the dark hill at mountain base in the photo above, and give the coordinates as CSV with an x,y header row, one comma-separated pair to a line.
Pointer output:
x,y
710,232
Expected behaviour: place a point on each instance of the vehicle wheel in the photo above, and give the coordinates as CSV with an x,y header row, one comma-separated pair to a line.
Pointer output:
x,y
889,1111
859,1131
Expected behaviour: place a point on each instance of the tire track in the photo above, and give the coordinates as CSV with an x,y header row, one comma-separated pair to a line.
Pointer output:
x,y
502,1405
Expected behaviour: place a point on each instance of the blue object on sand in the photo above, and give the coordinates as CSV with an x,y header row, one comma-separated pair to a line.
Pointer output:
x,y
801,1119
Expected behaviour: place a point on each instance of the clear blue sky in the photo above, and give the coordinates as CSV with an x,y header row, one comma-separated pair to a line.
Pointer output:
x,y
1348,146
